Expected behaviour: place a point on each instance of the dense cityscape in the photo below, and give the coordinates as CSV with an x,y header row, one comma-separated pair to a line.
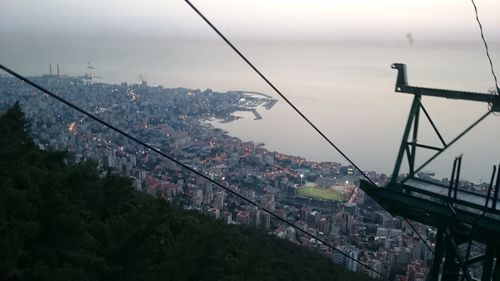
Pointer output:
x,y
178,122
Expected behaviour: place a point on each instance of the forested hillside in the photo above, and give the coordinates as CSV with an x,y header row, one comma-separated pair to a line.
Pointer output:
x,y
66,221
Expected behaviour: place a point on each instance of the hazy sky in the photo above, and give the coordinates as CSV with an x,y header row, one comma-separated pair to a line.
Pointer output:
x,y
328,19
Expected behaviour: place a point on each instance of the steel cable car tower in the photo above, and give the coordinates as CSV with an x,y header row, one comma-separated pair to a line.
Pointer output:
x,y
461,217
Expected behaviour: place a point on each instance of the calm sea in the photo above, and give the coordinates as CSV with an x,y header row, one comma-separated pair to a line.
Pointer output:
x,y
345,88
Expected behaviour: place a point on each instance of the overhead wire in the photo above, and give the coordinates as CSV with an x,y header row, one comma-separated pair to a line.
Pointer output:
x,y
312,124
297,110
486,47
419,235
186,167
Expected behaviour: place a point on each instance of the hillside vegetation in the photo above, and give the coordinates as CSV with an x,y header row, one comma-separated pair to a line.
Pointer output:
x,y
62,221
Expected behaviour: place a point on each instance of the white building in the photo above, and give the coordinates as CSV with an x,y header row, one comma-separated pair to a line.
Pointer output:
x,y
347,260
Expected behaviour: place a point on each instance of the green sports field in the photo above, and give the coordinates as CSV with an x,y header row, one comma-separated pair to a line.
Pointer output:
x,y
321,193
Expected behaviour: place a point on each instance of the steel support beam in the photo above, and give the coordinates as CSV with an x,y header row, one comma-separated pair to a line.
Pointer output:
x,y
488,263
459,215
496,273
406,135
439,252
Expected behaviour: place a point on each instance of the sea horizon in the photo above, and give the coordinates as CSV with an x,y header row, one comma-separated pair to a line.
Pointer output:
x,y
346,88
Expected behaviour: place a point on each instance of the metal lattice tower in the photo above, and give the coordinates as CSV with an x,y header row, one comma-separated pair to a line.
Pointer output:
x,y
463,218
